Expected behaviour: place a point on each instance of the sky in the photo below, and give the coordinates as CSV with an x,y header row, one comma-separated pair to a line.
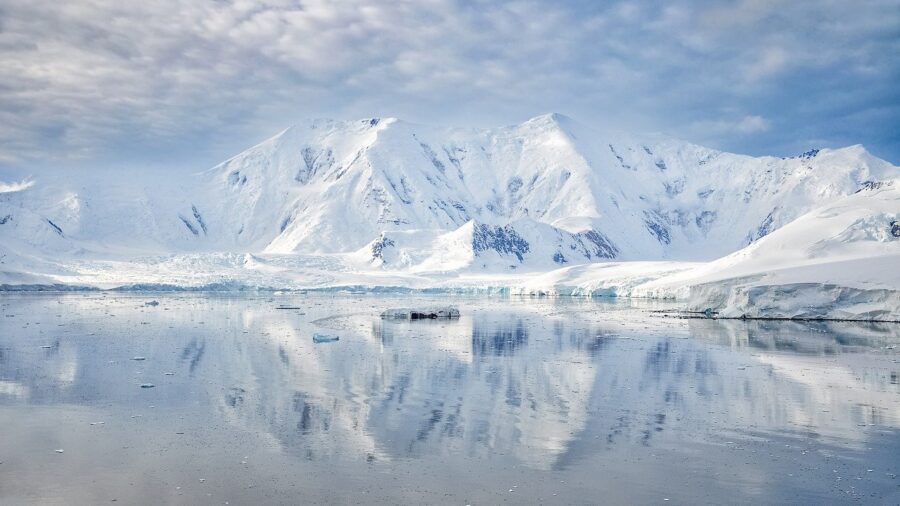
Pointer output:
x,y
184,84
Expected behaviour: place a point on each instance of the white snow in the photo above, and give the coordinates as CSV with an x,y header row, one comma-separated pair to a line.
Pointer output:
x,y
840,260
545,207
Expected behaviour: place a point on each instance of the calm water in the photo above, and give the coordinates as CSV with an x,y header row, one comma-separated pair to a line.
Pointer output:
x,y
518,402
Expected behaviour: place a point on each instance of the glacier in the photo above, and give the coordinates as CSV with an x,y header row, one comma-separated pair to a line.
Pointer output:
x,y
549,207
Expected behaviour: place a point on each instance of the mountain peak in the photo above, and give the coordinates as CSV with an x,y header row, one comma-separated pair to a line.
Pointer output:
x,y
554,118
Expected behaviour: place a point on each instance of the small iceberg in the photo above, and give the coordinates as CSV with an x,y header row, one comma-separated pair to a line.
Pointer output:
x,y
421,314
324,338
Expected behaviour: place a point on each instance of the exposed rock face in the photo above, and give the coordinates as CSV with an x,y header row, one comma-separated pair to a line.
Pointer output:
x,y
379,246
503,240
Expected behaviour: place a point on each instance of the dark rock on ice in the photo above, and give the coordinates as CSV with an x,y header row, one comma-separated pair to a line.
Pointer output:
x,y
871,185
705,220
655,224
766,227
189,225
199,218
810,154
420,314
380,245
603,247
503,240
55,227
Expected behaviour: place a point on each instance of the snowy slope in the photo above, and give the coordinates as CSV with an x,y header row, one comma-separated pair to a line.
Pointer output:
x,y
335,187
547,206
841,260
332,187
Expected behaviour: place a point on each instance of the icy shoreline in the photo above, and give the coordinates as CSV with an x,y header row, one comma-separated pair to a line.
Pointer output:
x,y
727,299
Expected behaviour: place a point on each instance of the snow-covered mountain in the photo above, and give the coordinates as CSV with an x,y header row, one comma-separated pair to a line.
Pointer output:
x,y
387,196
546,192
841,260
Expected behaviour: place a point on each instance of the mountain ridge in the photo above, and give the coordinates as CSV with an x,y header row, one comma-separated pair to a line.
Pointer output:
x,y
381,202
416,177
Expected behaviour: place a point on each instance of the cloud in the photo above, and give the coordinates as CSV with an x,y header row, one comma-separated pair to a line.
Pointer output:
x,y
751,124
186,83
770,62
15,186
743,126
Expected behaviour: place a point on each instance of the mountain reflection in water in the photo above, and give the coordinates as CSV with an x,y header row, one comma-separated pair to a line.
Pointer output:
x,y
547,384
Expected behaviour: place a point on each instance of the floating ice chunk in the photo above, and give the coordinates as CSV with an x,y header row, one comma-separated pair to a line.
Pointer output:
x,y
324,338
60,450
421,314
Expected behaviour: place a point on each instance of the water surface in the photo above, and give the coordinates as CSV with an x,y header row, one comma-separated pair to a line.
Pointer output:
x,y
520,401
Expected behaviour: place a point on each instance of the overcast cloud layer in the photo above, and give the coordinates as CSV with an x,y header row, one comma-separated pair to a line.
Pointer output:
x,y
114,83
